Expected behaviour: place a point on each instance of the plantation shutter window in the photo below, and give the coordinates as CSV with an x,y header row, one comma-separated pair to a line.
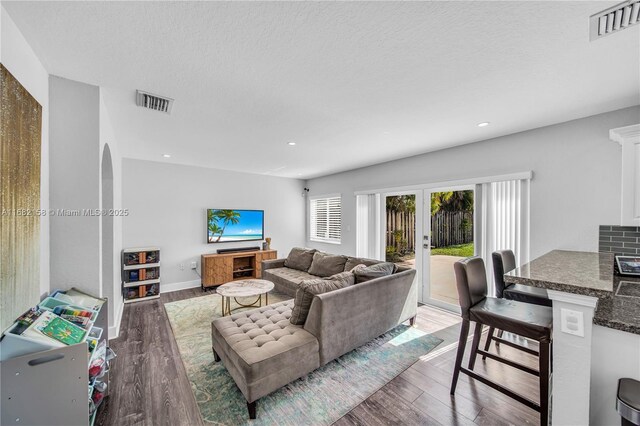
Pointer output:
x,y
325,219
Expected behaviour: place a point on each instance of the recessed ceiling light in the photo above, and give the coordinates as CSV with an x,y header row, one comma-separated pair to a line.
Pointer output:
x,y
291,143
166,155
483,124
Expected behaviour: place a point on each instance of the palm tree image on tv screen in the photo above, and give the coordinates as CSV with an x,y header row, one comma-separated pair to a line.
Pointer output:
x,y
225,226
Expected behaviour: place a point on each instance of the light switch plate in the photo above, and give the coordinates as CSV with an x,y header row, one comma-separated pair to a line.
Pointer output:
x,y
572,322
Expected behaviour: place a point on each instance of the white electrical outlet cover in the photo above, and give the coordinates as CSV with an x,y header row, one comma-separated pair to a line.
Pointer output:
x,y
572,322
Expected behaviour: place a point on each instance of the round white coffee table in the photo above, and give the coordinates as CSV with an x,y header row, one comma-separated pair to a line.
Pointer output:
x,y
244,288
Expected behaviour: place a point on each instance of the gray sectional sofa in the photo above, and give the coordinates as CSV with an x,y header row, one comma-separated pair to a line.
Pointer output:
x,y
287,280
263,350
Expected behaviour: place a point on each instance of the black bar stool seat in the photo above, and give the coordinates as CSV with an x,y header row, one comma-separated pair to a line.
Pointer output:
x,y
628,401
524,319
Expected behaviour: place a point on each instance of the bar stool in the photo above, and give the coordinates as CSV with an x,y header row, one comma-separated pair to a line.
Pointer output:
x,y
524,319
628,402
503,262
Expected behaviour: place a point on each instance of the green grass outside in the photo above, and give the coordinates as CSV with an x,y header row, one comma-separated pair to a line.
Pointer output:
x,y
463,250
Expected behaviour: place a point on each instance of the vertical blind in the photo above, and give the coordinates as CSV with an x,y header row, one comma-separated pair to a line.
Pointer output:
x,y
326,221
368,226
504,220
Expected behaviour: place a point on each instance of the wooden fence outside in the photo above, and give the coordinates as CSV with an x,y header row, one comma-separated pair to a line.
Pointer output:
x,y
447,229
451,228
406,223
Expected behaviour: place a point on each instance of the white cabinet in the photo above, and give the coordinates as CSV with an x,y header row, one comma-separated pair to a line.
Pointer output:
x,y
629,138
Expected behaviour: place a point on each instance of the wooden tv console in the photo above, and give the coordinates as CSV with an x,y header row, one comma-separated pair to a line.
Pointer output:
x,y
220,268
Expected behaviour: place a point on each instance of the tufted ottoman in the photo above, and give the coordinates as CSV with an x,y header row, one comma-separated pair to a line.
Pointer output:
x,y
263,351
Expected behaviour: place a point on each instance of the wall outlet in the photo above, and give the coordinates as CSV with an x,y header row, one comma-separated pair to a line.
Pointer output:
x,y
572,322
194,265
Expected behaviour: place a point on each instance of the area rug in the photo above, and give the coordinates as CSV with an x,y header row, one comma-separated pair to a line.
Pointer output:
x,y
320,398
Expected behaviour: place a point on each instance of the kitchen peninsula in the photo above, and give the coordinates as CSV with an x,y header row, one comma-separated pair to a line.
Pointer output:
x,y
596,331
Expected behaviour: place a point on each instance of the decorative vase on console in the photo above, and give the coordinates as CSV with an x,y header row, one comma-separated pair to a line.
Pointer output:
x,y
267,244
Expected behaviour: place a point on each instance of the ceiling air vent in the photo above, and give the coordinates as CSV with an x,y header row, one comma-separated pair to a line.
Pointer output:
x,y
154,102
614,19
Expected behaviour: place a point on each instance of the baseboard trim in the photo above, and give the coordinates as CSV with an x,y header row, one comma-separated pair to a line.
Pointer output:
x,y
168,288
114,332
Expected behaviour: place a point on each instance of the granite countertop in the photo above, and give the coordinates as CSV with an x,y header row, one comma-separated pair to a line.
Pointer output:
x,y
589,274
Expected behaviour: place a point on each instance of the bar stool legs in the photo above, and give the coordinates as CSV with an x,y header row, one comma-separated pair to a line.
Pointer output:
x,y
544,360
462,343
487,344
474,346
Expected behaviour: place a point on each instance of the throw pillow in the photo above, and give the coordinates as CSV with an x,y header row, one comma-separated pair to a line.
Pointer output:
x,y
299,258
368,273
352,262
325,264
309,288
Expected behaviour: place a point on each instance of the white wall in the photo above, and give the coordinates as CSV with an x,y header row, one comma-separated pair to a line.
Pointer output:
x,y
168,202
18,57
75,173
576,184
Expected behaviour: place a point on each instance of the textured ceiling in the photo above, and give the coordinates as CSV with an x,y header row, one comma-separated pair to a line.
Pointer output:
x,y
352,84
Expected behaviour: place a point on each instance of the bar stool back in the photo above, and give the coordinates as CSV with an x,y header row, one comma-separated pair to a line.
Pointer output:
x,y
527,320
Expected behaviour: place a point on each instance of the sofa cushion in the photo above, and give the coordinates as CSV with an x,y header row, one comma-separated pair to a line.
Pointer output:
x,y
262,346
365,273
286,280
325,264
300,258
352,262
309,288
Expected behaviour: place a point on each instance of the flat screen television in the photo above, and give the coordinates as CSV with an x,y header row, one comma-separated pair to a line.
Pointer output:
x,y
225,226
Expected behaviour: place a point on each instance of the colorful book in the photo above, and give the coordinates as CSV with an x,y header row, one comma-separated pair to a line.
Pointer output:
x,y
34,332
64,331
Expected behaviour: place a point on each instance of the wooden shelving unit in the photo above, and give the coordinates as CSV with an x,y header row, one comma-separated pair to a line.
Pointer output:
x,y
220,268
140,274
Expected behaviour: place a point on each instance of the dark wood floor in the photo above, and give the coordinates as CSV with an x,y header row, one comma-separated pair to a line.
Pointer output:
x,y
149,385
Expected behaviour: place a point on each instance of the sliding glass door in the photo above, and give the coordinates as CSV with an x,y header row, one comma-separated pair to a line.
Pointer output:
x,y
430,227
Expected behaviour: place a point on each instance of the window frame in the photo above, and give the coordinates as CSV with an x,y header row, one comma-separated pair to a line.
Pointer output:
x,y
327,239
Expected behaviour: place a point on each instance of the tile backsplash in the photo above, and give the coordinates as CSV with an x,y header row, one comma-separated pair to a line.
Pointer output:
x,y
621,240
